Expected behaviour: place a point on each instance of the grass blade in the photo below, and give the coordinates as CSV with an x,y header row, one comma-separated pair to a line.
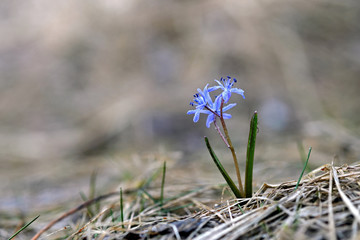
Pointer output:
x,y
250,155
162,184
302,173
121,209
92,190
85,199
21,229
228,179
303,155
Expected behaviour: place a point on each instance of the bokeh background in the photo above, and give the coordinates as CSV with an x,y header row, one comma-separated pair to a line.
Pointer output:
x,y
105,85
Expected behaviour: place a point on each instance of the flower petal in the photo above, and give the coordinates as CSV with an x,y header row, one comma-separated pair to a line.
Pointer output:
x,y
220,84
213,88
209,120
227,107
238,91
217,103
196,116
206,112
191,112
226,116
226,95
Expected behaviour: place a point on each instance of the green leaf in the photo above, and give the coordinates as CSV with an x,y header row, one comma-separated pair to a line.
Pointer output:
x,y
228,179
250,155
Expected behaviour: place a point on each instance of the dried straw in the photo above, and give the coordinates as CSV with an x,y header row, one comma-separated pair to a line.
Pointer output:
x,y
318,209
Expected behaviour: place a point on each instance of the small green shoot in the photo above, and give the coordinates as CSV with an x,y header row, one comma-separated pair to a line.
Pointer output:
x,y
146,193
162,184
122,209
228,179
112,216
303,155
21,229
302,173
148,181
250,155
92,191
85,199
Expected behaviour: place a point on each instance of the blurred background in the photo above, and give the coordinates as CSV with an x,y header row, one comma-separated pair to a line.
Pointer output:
x,y
105,85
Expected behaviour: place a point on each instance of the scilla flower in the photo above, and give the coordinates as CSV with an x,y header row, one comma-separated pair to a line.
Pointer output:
x,y
214,110
227,87
205,105
201,100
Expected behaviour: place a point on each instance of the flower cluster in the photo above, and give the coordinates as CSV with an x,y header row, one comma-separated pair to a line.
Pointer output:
x,y
204,104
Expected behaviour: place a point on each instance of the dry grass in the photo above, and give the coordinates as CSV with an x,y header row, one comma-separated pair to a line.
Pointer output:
x,y
325,206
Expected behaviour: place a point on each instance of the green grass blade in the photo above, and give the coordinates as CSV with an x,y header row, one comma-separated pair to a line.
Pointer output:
x,y
228,179
302,173
149,195
303,155
250,155
162,184
84,198
92,189
121,209
150,179
21,229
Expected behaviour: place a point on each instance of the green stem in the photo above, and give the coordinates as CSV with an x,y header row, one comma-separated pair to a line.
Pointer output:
x,y
220,133
228,179
250,155
231,147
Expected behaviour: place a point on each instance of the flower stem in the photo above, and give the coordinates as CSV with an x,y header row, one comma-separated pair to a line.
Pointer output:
x,y
220,133
231,147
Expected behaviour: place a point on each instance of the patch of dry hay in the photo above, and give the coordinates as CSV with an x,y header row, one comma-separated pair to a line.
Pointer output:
x,y
325,206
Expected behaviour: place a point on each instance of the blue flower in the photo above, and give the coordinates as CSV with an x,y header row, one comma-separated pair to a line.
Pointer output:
x,y
215,110
227,88
201,100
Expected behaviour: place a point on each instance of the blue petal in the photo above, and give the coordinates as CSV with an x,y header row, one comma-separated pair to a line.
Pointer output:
x,y
201,92
221,86
206,112
196,116
213,88
209,120
226,116
208,98
238,91
191,112
217,104
229,106
226,95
